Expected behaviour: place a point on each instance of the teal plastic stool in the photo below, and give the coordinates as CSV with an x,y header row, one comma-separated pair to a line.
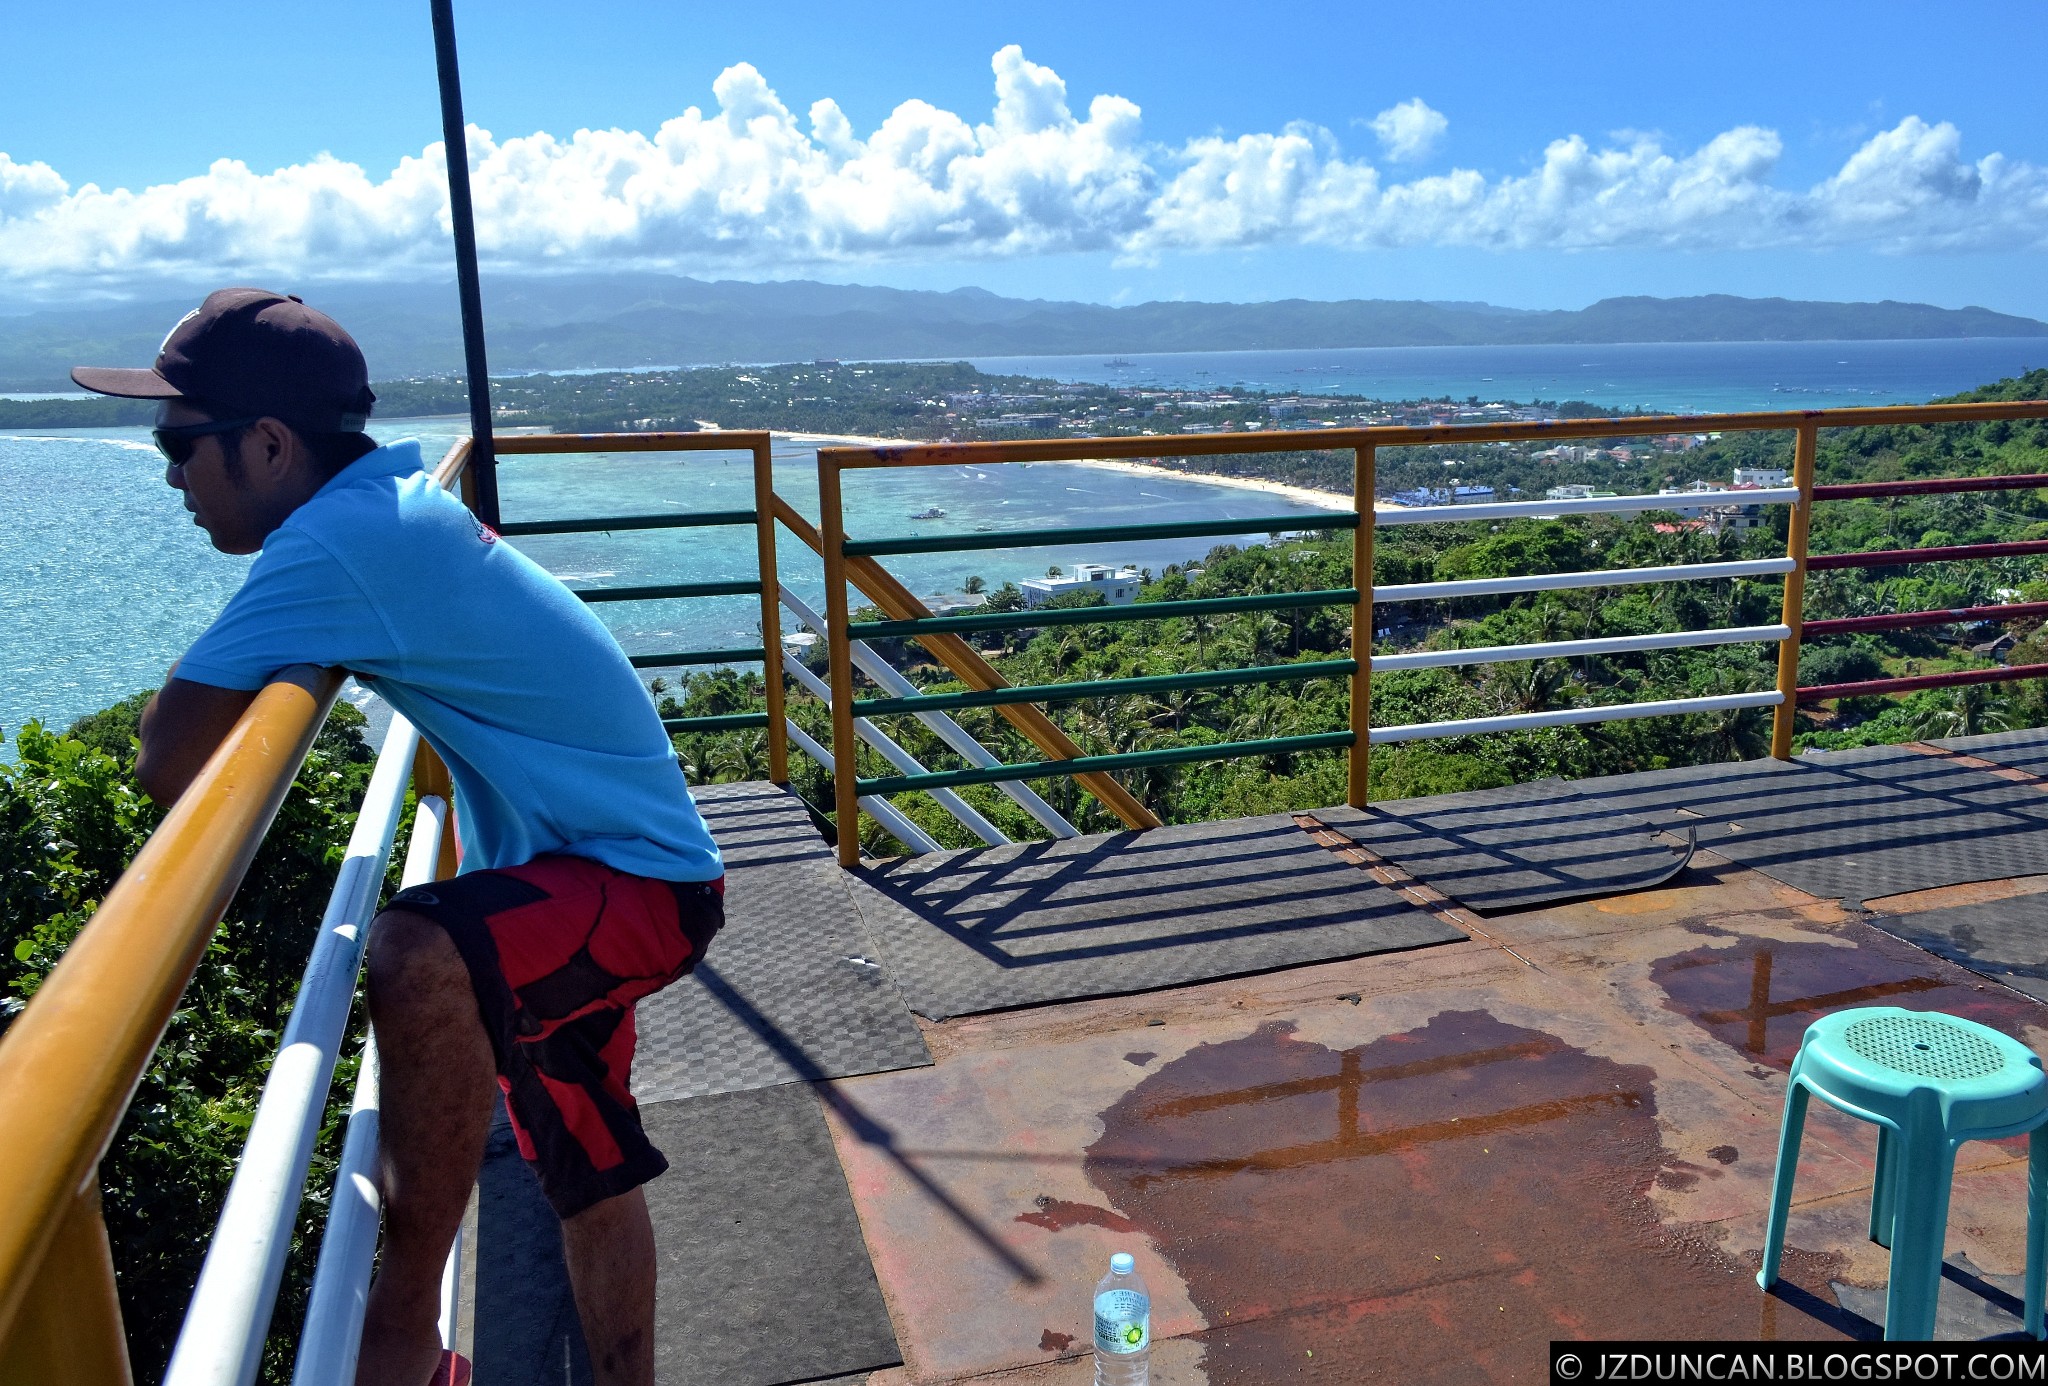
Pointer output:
x,y
1930,1082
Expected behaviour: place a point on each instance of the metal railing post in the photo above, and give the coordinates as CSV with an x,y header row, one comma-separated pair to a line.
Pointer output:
x,y
1804,452
68,1331
845,748
967,665
1360,755
430,779
771,610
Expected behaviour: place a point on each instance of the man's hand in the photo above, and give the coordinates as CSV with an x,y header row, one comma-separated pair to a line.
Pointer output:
x,y
186,722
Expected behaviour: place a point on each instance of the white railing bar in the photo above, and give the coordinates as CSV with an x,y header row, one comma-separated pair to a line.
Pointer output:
x,y
1571,649
1590,505
883,812
968,816
1559,582
1573,716
221,1343
891,682
333,1334
451,1291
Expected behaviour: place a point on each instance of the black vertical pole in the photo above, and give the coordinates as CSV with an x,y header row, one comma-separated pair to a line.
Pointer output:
x,y
483,461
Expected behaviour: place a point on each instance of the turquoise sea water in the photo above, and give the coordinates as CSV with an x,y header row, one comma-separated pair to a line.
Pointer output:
x,y
104,581
1681,377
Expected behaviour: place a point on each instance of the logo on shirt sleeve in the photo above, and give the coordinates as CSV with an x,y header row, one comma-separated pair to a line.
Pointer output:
x,y
484,531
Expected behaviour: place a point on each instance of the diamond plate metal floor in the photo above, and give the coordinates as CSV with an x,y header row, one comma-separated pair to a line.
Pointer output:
x,y
791,988
1853,825
1508,849
1113,913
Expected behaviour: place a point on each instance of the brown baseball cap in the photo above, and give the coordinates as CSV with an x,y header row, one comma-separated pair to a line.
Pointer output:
x,y
253,352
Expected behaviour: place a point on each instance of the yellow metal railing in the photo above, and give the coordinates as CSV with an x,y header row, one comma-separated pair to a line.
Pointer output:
x,y
755,443
846,562
71,1060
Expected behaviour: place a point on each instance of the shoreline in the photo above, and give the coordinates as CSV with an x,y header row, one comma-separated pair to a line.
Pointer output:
x,y
1300,495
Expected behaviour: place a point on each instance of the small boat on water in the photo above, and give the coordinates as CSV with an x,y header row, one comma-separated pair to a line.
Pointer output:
x,y
932,514
1119,363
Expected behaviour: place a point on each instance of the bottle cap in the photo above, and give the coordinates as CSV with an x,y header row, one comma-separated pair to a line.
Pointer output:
x,y
1122,1264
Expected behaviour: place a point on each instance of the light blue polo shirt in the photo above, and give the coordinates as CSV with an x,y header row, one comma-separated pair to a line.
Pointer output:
x,y
553,742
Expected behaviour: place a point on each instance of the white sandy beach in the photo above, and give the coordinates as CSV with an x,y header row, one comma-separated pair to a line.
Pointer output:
x,y
1300,495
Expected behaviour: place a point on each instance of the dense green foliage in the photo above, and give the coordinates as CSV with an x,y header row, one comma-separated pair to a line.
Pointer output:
x,y
1473,550
71,818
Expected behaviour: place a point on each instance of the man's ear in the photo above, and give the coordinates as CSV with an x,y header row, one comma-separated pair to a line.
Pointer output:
x,y
269,449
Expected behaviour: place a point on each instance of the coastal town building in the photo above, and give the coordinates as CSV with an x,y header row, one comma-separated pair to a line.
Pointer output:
x,y
1444,495
1118,586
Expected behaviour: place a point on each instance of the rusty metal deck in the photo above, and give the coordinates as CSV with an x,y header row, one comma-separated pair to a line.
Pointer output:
x,y
1422,1165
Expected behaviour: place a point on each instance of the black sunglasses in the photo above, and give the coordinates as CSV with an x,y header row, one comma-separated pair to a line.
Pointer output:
x,y
176,443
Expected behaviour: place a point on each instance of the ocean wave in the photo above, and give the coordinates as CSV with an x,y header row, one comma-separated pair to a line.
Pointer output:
x,y
125,444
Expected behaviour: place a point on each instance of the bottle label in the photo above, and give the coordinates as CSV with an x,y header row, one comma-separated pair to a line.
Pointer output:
x,y
1123,1321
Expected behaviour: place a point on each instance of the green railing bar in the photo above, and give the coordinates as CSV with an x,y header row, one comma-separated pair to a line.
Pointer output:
x,y
732,721
688,519
1108,688
1089,615
1089,534
1083,765
752,655
671,589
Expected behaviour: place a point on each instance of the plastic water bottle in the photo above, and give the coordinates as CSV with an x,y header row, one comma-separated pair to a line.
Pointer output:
x,y
1123,1326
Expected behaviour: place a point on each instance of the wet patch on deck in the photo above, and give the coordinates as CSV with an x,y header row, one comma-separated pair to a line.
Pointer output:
x,y
1758,995
1466,1181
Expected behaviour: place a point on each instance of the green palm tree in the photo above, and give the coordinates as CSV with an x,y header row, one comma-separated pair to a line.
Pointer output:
x,y
1175,707
1533,686
1735,733
1199,629
1549,622
1264,639
743,756
1064,653
1966,711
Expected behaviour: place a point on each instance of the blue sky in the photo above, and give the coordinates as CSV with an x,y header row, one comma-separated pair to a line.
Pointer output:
x,y
1820,150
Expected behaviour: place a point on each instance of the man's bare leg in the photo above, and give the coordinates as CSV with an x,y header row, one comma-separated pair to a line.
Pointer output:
x,y
437,1086
610,1250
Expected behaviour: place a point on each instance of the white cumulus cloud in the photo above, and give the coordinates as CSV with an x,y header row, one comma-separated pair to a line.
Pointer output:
x,y
1410,130
749,186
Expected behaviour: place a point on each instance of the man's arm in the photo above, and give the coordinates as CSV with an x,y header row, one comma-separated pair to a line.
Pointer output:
x,y
186,722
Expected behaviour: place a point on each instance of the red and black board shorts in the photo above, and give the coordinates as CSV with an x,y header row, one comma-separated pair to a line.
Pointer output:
x,y
558,950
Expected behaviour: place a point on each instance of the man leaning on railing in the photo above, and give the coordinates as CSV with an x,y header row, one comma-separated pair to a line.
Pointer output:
x,y
589,878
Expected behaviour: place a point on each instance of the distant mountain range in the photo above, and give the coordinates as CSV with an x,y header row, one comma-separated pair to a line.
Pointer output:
x,y
577,322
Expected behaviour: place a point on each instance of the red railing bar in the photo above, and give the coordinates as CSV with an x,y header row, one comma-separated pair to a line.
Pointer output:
x,y
1888,558
1930,486
2003,674
1900,620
